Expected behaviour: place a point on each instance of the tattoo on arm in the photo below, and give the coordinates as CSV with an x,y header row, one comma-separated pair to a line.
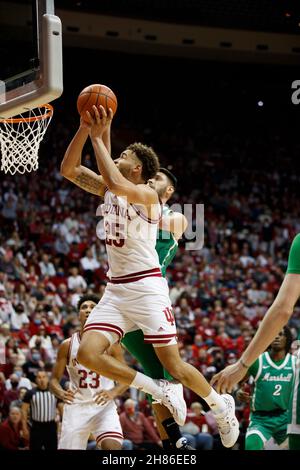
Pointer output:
x,y
89,184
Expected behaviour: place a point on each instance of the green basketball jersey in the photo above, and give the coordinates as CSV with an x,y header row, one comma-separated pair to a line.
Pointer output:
x,y
166,245
294,257
294,408
273,382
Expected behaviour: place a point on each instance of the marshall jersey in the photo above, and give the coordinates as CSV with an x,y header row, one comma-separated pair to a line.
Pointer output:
x,y
273,382
130,238
294,409
166,245
87,383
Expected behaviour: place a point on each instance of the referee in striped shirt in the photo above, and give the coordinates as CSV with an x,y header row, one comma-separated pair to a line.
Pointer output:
x,y
42,405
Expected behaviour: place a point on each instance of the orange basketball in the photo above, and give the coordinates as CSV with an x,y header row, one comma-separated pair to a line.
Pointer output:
x,y
96,95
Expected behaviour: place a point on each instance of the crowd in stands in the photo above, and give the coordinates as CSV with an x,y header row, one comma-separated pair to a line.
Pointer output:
x,y
51,254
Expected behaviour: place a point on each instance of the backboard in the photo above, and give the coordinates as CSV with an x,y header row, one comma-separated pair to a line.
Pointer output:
x,y
31,55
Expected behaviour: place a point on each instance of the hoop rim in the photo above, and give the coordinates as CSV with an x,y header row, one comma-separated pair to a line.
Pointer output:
x,y
46,115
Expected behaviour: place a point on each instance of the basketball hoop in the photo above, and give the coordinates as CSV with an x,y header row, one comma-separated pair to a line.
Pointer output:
x,y
20,139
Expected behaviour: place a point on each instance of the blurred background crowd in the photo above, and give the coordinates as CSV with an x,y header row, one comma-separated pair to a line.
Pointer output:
x,y
232,141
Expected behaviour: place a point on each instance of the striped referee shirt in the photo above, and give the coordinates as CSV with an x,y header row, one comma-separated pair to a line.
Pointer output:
x,y
42,405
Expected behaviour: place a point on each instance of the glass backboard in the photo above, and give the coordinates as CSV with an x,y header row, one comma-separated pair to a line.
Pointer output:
x,y
31,55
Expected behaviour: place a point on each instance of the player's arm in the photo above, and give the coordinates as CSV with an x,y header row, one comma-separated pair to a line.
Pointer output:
x,y
276,317
105,396
115,181
72,169
57,372
106,137
175,222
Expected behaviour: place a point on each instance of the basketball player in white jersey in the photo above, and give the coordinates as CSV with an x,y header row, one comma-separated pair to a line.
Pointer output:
x,y
137,295
85,411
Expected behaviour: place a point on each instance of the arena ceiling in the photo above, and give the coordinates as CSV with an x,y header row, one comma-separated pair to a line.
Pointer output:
x,y
257,15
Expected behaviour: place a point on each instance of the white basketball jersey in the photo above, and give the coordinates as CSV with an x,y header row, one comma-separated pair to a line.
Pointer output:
x,y
87,383
130,237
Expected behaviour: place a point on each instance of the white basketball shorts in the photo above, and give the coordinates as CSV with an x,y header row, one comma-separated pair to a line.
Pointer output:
x,y
80,420
143,304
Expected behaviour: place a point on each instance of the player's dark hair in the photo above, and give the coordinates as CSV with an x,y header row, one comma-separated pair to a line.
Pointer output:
x,y
86,298
172,178
148,158
289,338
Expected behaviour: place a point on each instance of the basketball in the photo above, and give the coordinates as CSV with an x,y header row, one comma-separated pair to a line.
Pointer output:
x,y
96,95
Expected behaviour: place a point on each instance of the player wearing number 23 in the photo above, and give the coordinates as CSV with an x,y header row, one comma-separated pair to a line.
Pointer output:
x,y
89,407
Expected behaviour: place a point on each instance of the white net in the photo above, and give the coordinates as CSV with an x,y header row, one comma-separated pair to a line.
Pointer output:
x,y
20,139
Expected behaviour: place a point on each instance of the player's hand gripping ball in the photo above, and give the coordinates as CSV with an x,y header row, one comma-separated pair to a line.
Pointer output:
x,y
96,95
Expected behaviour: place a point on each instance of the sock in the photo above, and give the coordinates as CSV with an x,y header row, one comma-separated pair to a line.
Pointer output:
x,y
166,443
173,431
148,385
215,402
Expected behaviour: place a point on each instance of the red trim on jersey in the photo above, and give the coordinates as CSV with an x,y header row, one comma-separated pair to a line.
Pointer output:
x,y
144,217
154,272
104,327
105,324
157,341
133,279
160,339
139,273
160,336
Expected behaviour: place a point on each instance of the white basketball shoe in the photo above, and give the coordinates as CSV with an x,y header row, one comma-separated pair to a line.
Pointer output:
x,y
173,399
227,422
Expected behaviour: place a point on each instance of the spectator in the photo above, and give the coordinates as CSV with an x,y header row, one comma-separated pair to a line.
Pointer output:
x,y
11,434
24,382
18,403
4,333
33,364
197,439
61,246
41,339
137,428
76,280
89,264
46,266
11,394
18,318
6,308
12,350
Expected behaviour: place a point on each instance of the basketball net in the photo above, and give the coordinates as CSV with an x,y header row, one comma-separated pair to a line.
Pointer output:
x,y
20,139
